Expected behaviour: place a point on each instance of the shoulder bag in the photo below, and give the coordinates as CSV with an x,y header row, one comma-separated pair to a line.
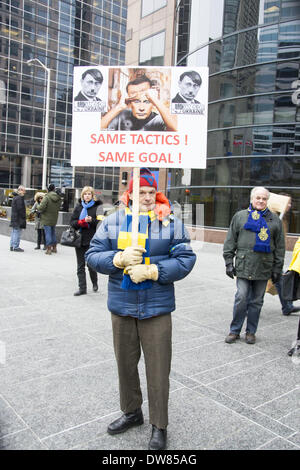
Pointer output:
x,y
71,237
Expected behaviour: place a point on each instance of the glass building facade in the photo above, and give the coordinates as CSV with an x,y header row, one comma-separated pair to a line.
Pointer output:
x,y
61,34
254,108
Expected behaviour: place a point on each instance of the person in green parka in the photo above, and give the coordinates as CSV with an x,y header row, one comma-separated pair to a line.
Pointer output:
x,y
254,252
49,209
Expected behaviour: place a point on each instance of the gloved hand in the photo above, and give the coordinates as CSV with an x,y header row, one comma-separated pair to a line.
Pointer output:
x,y
275,277
230,270
130,256
142,272
82,223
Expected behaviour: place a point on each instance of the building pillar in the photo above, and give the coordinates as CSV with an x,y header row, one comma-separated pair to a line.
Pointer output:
x,y
26,172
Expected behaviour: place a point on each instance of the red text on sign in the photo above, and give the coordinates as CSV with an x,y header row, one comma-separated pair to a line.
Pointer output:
x,y
116,157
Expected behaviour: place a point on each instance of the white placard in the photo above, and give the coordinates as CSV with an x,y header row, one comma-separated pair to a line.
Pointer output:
x,y
140,116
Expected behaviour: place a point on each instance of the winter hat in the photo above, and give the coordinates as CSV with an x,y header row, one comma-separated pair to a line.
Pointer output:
x,y
146,179
51,187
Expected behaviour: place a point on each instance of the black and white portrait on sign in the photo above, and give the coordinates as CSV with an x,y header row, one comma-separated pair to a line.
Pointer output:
x,y
90,90
185,88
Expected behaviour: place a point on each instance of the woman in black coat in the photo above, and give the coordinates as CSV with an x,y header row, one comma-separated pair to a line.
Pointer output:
x,y
84,218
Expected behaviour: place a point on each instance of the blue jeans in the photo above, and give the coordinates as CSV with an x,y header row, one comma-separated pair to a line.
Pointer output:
x,y
50,235
15,237
249,299
287,305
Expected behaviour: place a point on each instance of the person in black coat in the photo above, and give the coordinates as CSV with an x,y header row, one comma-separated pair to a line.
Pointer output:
x,y
18,218
84,218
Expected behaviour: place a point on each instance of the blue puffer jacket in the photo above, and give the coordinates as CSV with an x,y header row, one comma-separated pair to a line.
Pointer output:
x,y
169,250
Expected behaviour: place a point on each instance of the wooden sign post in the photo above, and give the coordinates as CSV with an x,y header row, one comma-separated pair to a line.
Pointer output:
x,y
135,205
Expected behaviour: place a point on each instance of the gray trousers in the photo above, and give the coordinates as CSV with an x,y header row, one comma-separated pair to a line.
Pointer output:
x,y
154,335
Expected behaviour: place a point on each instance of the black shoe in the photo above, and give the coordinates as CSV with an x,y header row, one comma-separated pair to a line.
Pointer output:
x,y
158,439
126,421
18,249
95,287
80,292
37,247
294,310
11,248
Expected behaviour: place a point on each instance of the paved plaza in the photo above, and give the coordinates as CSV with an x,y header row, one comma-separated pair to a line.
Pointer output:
x,y
58,377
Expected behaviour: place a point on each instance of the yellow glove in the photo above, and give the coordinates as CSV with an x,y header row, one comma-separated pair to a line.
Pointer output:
x,y
130,256
141,272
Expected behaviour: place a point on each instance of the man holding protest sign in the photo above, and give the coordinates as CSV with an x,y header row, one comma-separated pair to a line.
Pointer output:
x,y
141,299
136,111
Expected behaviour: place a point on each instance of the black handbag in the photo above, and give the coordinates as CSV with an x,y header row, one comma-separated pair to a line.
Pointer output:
x,y
290,286
71,237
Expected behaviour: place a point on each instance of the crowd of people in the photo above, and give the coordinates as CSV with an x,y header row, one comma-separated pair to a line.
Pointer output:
x,y
142,275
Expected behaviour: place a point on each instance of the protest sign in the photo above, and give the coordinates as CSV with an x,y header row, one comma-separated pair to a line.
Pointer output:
x,y
140,116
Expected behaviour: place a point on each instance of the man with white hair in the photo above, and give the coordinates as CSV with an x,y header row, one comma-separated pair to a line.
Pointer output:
x,y
18,218
256,240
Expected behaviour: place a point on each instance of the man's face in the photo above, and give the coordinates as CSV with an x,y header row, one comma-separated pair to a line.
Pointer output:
x,y
188,88
90,86
22,191
147,198
260,200
140,105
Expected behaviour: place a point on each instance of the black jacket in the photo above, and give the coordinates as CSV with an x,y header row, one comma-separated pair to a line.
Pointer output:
x,y
18,212
179,99
81,97
87,233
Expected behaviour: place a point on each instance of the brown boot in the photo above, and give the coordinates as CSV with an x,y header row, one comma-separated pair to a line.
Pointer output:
x,y
48,250
54,249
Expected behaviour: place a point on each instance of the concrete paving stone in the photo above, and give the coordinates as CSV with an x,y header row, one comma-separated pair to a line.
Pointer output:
x,y
245,439
183,380
233,368
10,299
10,422
292,420
134,439
22,440
24,370
257,417
61,418
279,444
280,407
209,338
59,413
295,439
197,422
102,336
184,330
7,311
50,328
13,322
191,362
61,387
41,348
261,385
80,435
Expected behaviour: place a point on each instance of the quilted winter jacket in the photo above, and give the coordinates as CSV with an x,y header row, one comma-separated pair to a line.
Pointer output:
x,y
239,243
169,250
